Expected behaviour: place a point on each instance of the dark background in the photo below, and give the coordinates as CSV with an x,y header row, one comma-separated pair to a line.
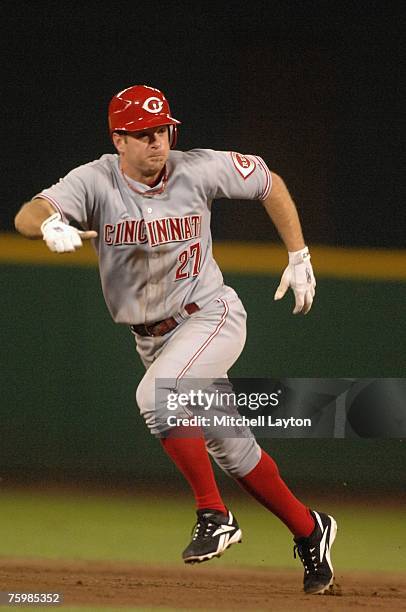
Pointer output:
x,y
313,87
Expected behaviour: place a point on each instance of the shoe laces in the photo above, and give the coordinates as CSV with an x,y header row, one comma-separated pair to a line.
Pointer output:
x,y
307,556
204,527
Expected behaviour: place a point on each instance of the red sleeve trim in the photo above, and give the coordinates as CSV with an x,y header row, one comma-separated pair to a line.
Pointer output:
x,y
268,183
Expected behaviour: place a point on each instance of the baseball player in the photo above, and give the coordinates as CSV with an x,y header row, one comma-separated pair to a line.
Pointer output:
x,y
147,209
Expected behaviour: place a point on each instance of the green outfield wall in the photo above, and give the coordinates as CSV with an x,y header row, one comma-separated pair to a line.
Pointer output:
x,y
69,374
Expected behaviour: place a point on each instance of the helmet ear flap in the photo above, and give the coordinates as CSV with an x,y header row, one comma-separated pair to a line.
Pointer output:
x,y
173,135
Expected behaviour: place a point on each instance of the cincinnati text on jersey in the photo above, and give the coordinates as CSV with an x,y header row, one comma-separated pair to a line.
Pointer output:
x,y
156,232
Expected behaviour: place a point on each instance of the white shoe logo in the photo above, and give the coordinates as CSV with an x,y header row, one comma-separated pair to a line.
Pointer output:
x,y
323,544
222,529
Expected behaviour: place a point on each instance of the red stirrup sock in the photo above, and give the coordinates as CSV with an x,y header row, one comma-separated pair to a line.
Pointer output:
x,y
191,458
265,484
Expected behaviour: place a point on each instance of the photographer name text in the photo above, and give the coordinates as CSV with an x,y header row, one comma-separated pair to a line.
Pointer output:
x,y
234,421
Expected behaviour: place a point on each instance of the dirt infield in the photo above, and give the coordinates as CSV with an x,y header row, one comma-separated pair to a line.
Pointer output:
x,y
117,585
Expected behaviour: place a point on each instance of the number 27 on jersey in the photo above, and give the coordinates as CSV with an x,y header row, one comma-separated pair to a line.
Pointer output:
x,y
189,262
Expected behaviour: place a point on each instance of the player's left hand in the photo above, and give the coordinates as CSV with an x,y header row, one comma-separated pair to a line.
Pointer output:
x,y
299,276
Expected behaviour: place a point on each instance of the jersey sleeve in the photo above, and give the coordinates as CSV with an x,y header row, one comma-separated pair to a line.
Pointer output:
x,y
73,196
237,176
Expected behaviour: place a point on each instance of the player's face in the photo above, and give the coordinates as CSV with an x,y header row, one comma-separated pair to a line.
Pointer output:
x,y
143,153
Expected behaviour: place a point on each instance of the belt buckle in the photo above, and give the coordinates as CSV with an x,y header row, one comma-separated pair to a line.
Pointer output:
x,y
147,330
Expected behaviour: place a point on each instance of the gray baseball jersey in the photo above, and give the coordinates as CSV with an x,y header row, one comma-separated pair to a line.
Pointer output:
x,y
154,244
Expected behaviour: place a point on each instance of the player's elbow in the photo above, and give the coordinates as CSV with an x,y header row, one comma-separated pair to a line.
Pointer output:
x,y
25,224
29,218
19,221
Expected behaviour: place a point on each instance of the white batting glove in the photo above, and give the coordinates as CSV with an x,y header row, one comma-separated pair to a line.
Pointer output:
x,y
299,276
61,237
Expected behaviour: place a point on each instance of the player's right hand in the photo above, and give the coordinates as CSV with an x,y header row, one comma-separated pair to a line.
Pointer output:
x,y
61,237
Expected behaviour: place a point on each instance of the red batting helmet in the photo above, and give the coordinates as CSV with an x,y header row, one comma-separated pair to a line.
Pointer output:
x,y
140,107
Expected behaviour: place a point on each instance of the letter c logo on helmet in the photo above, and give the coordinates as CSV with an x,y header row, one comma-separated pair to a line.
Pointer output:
x,y
140,107
153,105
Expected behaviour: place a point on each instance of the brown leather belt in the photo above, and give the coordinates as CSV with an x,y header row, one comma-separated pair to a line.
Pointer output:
x,y
160,328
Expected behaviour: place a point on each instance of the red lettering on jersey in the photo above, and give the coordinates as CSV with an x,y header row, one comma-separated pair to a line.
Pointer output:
x,y
141,234
175,228
196,224
129,232
245,165
119,232
108,231
161,231
151,233
187,228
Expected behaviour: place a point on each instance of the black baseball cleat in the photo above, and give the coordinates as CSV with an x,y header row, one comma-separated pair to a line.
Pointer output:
x,y
213,533
314,553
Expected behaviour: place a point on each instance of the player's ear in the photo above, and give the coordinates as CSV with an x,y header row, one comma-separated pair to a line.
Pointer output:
x,y
119,140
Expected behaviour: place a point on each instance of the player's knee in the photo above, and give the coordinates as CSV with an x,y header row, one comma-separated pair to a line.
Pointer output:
x,y
152,401
235,456
145,398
